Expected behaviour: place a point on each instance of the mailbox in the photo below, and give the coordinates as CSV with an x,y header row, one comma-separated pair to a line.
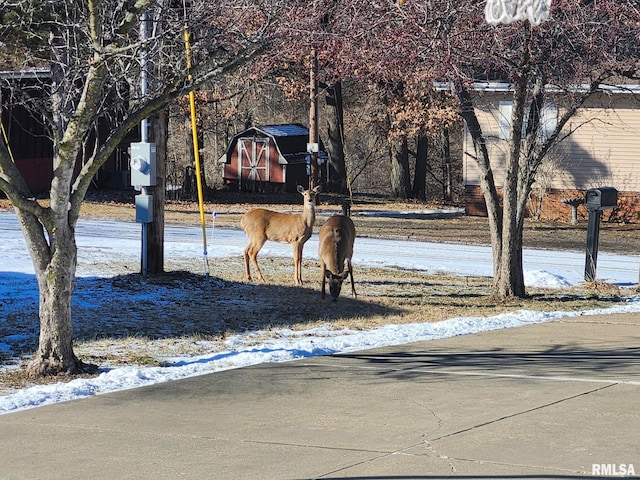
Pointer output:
x,y
601,198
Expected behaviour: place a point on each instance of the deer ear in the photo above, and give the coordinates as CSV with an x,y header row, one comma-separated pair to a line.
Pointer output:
x,y
344,275
300,189
318,189
328,275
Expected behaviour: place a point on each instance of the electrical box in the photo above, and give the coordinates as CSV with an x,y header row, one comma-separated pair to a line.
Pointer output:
x,y
601,198
143,164
144,208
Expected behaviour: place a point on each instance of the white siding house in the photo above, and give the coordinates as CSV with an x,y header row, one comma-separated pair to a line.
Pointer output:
x,y
602,149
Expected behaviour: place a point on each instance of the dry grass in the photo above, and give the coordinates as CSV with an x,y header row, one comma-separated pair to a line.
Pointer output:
x,y
197,313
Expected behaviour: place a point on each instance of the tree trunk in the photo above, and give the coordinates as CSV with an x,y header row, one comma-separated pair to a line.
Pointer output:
x,y
420,175
510,279
54,254
55,348
56,281
201,147
337,181
487,183
447,181
400,177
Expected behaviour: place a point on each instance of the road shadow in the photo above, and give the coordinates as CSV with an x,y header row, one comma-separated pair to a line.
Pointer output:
x,y
556,360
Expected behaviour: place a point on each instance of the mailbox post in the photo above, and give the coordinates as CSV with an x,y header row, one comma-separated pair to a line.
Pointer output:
x,y
596,200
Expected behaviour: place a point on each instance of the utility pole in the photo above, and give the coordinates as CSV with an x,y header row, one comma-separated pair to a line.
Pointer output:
x,y
313,147
148,172
143,160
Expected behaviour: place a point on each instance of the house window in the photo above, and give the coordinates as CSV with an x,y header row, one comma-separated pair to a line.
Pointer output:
x,y
548,120
505,110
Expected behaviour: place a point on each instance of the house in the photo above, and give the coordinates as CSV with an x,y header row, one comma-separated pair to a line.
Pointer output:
x,y
26,136
30,143
269,158
602,150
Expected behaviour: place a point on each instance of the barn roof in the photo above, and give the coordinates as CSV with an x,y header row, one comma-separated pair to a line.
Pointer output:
x,y
285,130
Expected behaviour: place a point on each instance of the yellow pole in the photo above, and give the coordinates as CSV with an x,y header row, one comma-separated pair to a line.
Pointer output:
x,y
196,151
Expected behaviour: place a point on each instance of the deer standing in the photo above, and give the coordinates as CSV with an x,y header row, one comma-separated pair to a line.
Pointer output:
x,y
335,245
261,225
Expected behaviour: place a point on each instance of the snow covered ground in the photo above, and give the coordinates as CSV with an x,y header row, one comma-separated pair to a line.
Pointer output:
x,y
102,240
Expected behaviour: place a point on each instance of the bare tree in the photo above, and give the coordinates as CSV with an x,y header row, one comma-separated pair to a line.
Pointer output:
x,y
93,51
566,60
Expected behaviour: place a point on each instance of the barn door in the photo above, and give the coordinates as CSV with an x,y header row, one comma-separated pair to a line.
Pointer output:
x,y
253,155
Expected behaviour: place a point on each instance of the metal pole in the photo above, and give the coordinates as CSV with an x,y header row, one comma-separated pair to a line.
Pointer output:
x,y
144,131
313,116
144,125
145,256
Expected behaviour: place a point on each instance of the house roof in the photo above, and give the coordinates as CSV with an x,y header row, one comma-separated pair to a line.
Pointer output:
x,y
506,87
37,72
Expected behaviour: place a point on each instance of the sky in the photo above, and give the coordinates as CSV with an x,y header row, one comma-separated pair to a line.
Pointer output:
x,y
100,240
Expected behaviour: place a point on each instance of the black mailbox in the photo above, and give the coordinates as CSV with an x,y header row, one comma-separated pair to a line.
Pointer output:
x,y
601,198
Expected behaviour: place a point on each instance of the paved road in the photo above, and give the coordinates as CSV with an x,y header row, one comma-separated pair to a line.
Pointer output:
x,y
548,401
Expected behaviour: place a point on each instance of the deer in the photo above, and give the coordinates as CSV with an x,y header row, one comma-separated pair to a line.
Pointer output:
x,y
261,224
335,245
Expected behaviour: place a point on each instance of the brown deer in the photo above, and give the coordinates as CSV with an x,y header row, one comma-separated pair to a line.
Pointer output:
x,y
335,245
261,225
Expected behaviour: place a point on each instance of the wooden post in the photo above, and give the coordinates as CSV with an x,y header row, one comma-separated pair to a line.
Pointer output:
x,y
155,237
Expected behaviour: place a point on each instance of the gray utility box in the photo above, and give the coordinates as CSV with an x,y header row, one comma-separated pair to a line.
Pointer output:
x,y
144,208
143,164
601,198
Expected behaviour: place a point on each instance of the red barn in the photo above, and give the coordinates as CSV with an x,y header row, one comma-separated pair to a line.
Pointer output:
x,y
269,158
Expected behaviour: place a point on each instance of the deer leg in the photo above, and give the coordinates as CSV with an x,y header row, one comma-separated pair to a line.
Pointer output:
x,y
251,254
323,270
353,286
257,267
297,262
246,263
